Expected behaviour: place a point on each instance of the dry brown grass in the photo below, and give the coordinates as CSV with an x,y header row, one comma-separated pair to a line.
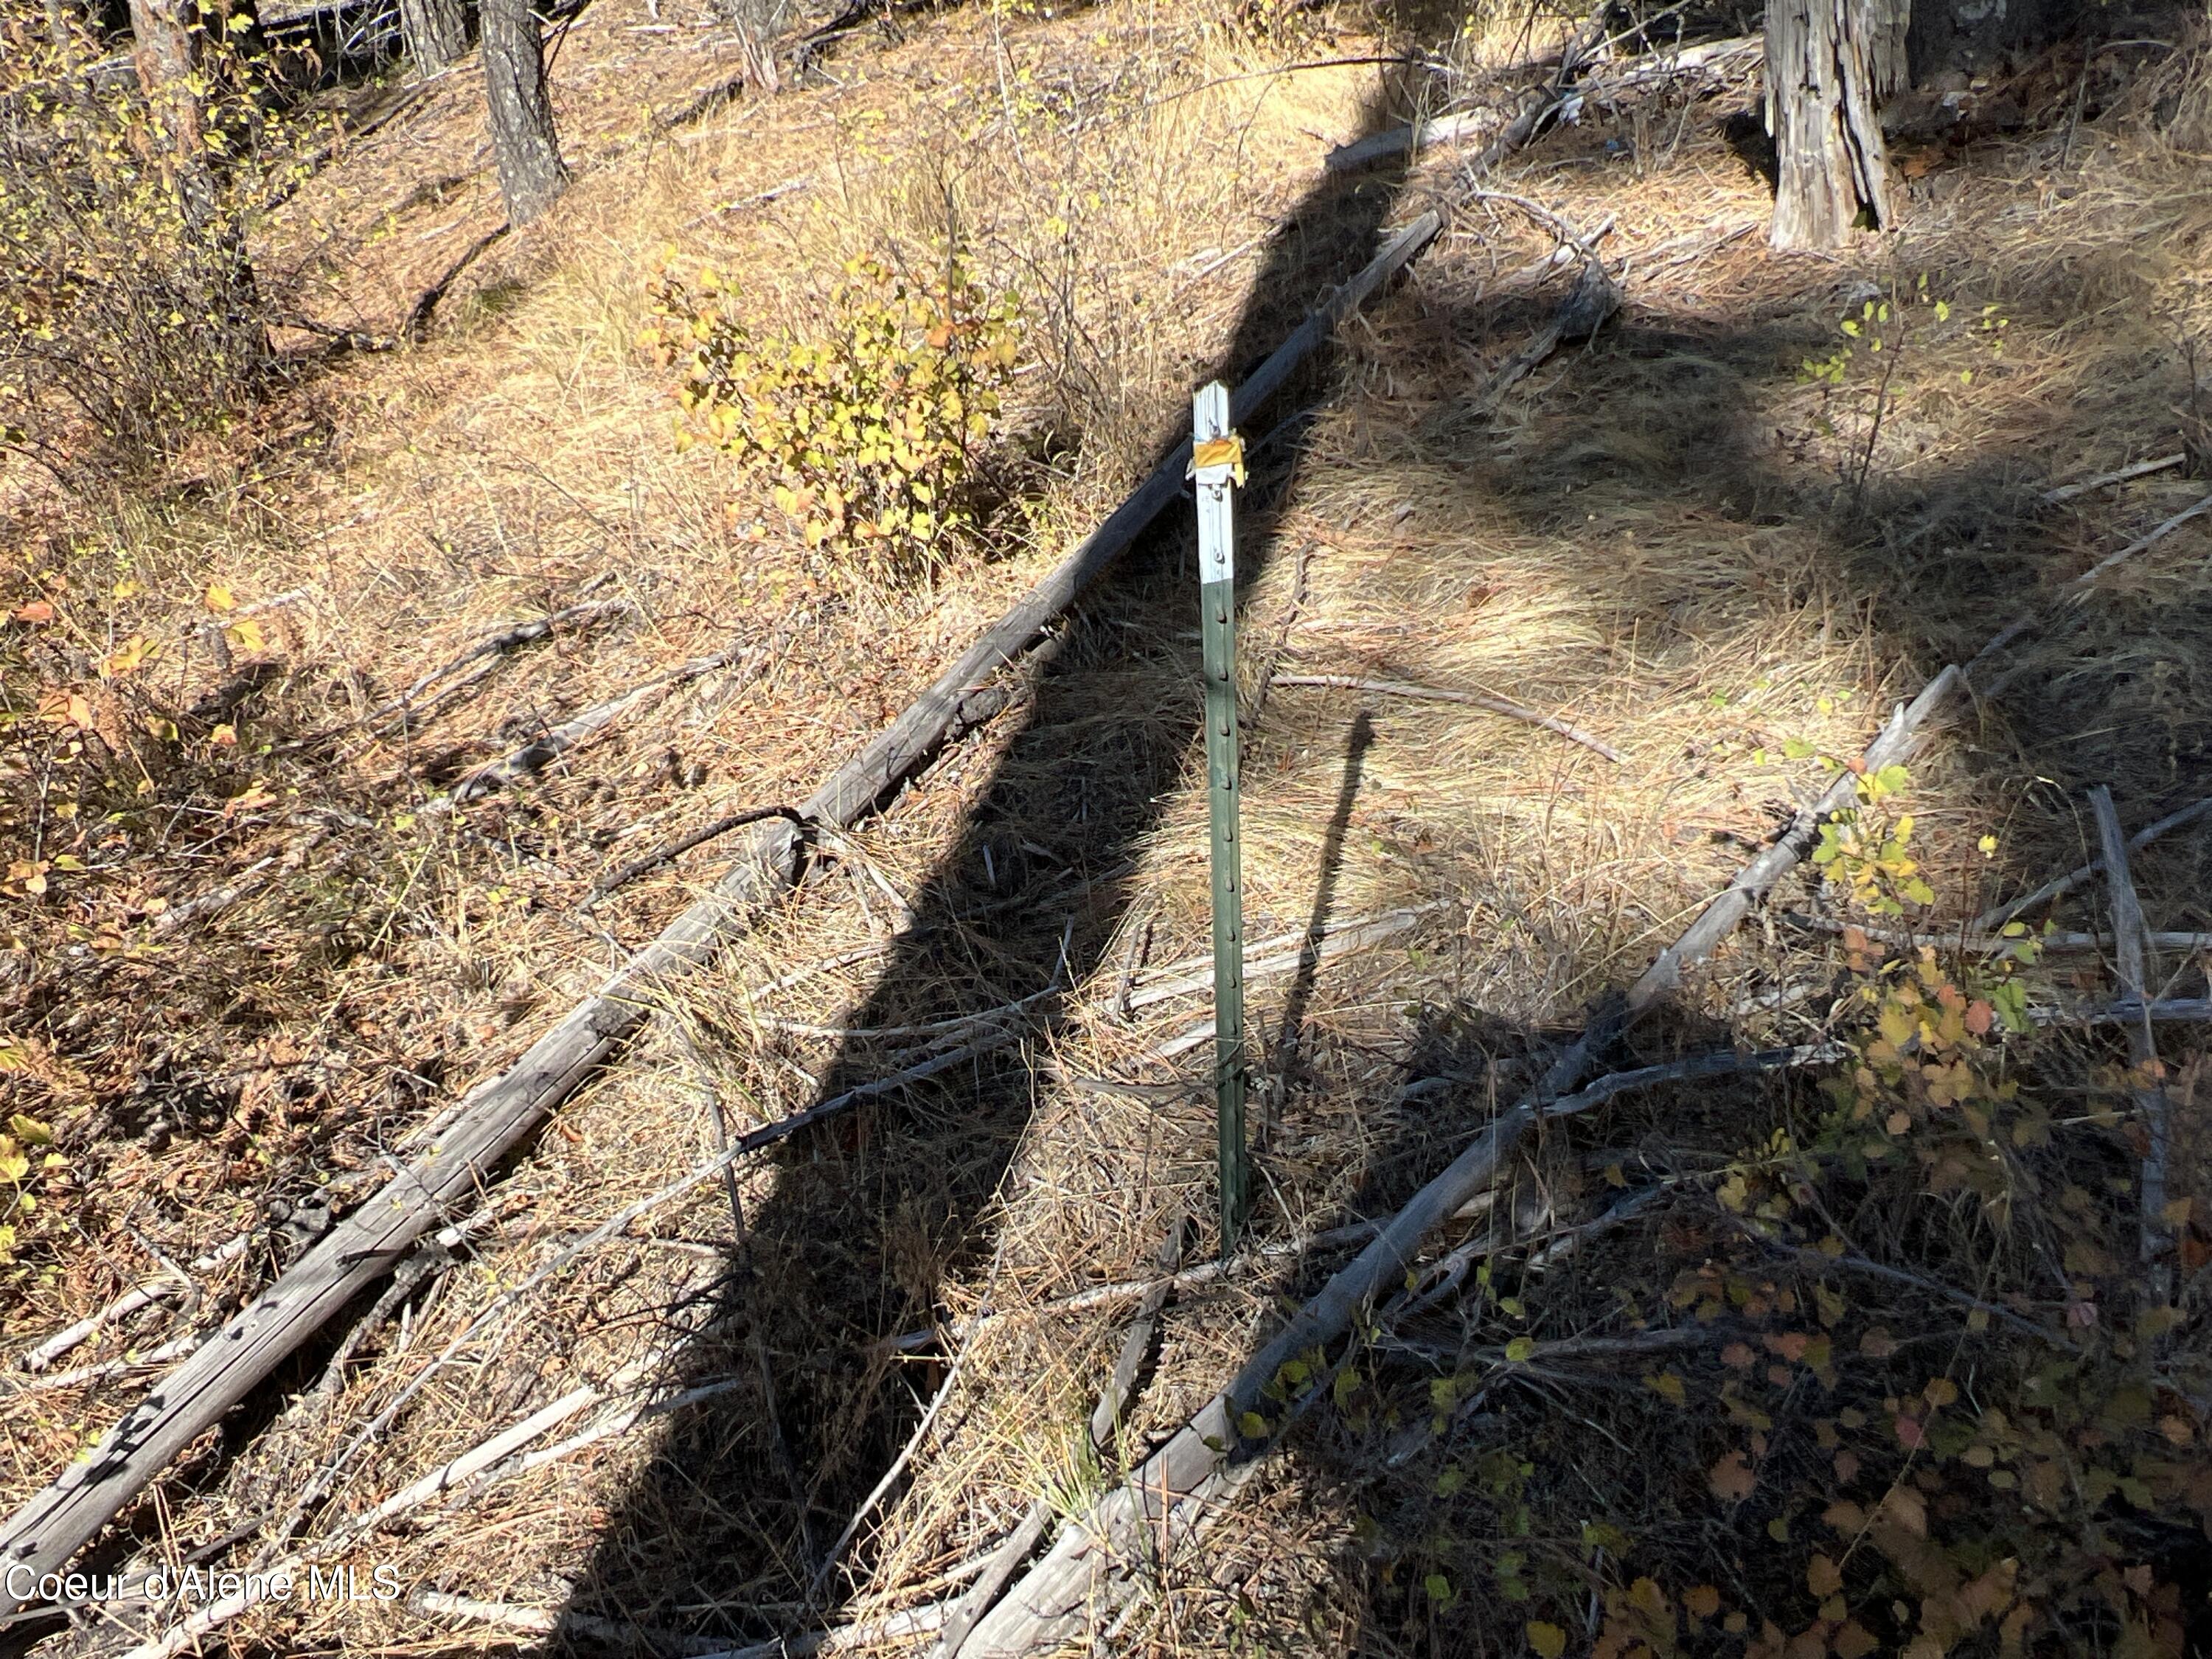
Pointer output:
x,y
1660,537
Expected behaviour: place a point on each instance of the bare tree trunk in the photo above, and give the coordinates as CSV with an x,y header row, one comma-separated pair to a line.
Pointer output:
x,y
163,52
437,33
1828,63
531,175
214,265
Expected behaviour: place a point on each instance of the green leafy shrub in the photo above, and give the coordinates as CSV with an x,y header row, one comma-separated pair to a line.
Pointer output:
x,y
866,431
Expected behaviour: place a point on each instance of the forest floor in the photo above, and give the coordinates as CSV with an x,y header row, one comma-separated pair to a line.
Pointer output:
x,y
1730,1377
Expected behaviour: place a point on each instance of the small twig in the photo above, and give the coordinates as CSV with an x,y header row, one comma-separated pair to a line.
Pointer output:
x,y
1132,960
1990,920
2132,962
1568,233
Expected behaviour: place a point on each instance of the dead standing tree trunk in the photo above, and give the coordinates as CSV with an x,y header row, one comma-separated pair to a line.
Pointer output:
x,y
531,174
436,32
1829,63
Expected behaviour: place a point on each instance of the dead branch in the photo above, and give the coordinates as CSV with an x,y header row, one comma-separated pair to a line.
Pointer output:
x,y
534,756
1106,1419
1439,694
676,848
2088,580
2131,959
1990,920
549,1621
39,1358
502,641
871,1633
1992,944
1594,298
2140,469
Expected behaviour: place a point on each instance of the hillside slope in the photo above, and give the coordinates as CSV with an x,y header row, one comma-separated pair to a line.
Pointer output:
x,y
1722,537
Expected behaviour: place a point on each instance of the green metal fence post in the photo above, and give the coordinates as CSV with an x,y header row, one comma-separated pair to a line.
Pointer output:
x,y
1218,465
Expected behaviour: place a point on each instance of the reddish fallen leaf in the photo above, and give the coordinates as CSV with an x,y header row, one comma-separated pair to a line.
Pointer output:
x,y
1732,1478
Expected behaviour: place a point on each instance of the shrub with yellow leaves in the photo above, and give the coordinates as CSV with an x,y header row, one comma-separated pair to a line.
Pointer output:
x,y
867,431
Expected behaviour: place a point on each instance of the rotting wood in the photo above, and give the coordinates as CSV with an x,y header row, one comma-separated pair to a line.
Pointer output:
x,y
1206,1459
1439,694
50,1527
1828,62
2132,960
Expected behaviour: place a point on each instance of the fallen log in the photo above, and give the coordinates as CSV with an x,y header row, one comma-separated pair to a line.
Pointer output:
x,y
1712,62
55,1523
1088,1567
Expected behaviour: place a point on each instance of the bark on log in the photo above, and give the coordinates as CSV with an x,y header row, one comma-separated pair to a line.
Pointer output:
x,y
532,175
1828,63
53,1525
1172,1492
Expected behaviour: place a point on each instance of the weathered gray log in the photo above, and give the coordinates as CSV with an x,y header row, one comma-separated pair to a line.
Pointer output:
x,y
1089,1568
1702,66
52,1525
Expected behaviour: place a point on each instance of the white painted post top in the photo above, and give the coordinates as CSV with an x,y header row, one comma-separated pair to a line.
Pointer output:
x,y
1216,461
